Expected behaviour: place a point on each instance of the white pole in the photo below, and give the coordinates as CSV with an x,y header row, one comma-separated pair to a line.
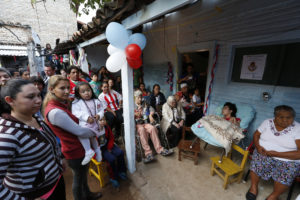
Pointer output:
x,y
31,59
128,114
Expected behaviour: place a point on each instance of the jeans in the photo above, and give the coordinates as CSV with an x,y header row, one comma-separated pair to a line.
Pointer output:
x,y
80,186
115,159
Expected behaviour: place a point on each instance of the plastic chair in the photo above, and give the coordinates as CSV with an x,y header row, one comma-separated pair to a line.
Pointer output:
x,y
189,148
229,167
100,173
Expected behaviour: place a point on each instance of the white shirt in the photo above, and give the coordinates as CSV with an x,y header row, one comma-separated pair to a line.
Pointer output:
x,y
111,100
196,99
285,141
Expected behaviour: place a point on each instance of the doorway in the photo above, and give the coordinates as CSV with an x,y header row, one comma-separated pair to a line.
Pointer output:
x,y
199,61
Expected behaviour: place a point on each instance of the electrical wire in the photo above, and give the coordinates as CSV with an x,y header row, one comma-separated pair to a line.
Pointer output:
x,y
13,34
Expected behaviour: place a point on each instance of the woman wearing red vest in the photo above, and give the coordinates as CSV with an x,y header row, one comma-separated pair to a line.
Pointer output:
x,y
65,125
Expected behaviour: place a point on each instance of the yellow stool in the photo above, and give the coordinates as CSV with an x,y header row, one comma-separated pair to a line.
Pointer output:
x,y
100,173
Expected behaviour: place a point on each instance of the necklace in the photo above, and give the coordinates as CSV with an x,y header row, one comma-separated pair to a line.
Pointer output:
x,y
90,111
283,132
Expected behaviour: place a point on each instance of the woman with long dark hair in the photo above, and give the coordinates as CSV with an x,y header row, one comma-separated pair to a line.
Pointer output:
x,y
30,158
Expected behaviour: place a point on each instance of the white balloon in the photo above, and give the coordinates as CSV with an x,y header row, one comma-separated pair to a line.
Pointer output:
x,y
116,61
112,49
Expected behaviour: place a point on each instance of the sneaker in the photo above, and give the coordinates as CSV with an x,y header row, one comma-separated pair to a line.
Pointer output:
x,y
88,156
115,183
166,152
148,158
123,176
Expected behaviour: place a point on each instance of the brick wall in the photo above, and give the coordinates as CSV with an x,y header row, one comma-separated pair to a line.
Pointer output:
x,y
54,20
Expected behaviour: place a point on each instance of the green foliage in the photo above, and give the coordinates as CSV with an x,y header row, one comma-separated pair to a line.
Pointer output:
x,y
88,5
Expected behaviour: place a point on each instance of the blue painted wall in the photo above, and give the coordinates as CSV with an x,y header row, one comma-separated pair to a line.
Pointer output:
x,y
230,23
157,74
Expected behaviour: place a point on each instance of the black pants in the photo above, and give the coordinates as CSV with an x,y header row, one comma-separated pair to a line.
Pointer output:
x,y
80,186
115,121
60,191
175,134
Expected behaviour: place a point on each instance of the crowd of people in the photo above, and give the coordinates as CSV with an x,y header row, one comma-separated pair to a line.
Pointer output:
x,y
76,116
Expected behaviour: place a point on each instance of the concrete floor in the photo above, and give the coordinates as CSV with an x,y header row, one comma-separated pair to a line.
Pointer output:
x,y
170,179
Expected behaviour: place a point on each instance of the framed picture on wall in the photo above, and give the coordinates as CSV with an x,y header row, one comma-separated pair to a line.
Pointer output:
x,y
274,64
253,66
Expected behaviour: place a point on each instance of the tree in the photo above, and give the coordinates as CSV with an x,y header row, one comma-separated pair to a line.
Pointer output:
x,y
75,4
88,5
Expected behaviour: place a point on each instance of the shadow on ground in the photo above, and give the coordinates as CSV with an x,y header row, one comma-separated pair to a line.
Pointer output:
x,y
170,179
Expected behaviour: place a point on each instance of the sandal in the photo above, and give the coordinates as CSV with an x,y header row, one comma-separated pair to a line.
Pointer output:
x,y
250,196
149,158
166,152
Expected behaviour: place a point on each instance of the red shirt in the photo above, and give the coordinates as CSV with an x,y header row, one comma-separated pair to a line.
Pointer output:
x,y
110,138
72,87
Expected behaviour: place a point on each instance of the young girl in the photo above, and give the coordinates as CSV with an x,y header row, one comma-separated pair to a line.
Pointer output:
x,y
112,153
142,87
112,101
88,109
229,112
197,99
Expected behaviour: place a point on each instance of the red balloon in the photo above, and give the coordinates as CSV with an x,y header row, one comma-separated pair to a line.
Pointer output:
x,y
134,63
133,51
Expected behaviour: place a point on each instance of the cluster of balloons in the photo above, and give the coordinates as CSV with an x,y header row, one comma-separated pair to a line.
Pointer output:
x,y
123,47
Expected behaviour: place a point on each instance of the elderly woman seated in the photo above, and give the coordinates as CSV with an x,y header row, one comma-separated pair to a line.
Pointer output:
x,y
277,153
144,119
173,120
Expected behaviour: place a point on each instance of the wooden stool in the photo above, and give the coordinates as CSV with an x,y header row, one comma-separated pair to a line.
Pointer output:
x,y
189,148
100,173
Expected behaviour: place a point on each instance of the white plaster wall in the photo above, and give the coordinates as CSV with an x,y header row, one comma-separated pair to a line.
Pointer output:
x,y
52,21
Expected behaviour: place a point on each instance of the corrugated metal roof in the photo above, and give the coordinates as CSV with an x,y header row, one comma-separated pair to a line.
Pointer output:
x,y
13,50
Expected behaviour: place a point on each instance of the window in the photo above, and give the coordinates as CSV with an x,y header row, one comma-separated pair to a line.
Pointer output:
x,y
271,64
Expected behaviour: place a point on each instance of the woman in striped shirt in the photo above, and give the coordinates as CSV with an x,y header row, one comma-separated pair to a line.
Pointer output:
x,y
30,159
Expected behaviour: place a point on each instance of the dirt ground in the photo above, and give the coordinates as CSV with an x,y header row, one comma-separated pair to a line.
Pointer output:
x,y
170,179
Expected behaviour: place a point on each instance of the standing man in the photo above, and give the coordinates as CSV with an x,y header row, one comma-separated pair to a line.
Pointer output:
x,y
73,73
49,70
